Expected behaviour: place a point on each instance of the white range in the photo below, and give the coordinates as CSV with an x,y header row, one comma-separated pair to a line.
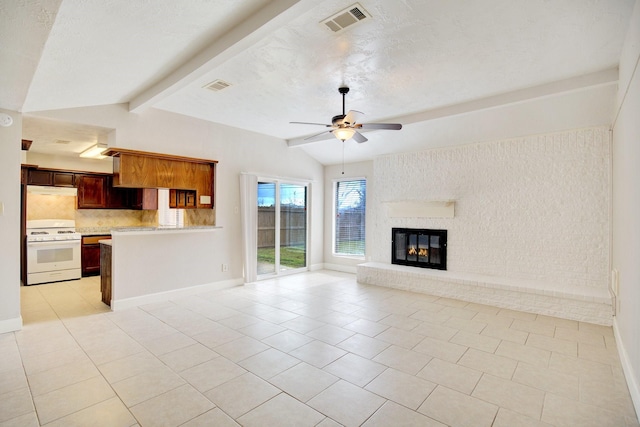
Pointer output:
x,y
53,251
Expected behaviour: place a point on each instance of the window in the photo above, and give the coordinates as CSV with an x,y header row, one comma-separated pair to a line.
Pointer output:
x,y
168,217
349,226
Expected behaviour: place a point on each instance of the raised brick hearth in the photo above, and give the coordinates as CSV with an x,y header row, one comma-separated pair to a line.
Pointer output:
x,y
575,303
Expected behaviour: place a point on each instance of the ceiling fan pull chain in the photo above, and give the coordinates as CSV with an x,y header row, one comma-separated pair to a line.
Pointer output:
x,y
343,156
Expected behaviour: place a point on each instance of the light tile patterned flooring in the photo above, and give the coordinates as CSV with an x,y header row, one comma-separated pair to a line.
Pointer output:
x,y
313,349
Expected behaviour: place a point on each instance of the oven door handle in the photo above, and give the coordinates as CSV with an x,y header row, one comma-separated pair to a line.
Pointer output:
x,y
53,243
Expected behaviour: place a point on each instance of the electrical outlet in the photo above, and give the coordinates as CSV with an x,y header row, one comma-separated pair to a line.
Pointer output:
x,y
225,268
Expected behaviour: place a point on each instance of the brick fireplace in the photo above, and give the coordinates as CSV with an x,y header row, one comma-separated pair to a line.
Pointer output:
x,y
419,247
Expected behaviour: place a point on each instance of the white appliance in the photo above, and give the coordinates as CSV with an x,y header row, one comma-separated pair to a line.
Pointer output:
x,y
53,251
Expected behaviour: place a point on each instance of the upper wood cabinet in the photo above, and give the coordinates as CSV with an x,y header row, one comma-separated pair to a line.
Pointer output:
x,y
95,189
40,177
144,199
182,199
92,192
64,179
49,177
139,169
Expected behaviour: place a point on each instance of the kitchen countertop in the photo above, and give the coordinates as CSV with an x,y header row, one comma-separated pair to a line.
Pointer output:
x,y
163,230
94,231
99,231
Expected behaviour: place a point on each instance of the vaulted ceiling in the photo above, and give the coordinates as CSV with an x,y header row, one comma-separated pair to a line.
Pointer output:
x,y
451,72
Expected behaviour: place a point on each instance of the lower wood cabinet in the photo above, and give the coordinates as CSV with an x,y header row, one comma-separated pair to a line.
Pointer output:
x,y
90,254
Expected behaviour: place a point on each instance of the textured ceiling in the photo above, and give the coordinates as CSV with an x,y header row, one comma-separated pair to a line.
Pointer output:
x,y
420,62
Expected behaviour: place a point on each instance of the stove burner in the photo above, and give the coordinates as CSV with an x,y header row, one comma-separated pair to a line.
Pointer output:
x,y
65,231
38,232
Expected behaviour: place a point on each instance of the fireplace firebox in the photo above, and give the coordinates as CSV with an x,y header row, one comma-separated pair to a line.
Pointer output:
x,y
419,247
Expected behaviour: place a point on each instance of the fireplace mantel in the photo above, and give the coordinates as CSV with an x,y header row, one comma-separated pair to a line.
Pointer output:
x,y
421,209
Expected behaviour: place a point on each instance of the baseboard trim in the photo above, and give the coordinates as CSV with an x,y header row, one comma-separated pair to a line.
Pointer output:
x,y
627,369
11,325
122,304
316,267
341,268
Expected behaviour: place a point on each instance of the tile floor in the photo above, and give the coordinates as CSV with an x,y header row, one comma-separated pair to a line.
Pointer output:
x,y
314,349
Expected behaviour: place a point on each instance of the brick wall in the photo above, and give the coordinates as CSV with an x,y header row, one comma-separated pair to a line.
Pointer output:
x,y
534,208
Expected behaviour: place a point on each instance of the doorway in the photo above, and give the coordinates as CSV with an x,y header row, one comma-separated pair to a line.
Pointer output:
x,y
281,227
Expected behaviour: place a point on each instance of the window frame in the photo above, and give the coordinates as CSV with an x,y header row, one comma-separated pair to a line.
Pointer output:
x,y
334,237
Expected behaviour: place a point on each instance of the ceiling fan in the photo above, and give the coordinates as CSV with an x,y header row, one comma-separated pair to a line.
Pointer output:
x,y
345,126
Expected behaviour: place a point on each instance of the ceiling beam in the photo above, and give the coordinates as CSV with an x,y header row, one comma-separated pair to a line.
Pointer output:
x,y
587,81
272,16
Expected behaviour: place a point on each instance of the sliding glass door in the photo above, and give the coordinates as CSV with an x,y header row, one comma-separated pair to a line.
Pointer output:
x,y
282,227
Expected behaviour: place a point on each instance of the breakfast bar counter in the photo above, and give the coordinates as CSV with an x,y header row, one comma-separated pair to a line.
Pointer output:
x,y
163,229
152,264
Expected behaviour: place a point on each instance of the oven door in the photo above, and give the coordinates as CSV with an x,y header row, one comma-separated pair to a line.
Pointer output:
x,y
53,256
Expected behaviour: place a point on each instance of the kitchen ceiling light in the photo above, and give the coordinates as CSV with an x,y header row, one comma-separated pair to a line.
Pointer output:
x,y
344,133
94,152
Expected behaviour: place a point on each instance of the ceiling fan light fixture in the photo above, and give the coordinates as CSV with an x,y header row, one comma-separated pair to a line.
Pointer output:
x,y
344,133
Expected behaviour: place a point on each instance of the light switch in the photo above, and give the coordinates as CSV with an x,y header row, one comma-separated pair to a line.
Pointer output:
x,y
1,208
205,200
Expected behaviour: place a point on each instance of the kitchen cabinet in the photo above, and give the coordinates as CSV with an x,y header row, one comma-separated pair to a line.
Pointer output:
x,y
49,177
117,198
92,191
144,199
98,192
40,177
182,199
64,179
193,177
90,254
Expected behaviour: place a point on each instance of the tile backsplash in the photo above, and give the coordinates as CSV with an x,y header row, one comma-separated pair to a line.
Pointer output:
x,y
47,206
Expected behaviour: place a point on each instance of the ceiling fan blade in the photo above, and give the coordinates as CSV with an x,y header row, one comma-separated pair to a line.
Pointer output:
x,y
352,117
390,126
307,123
359,138
318,136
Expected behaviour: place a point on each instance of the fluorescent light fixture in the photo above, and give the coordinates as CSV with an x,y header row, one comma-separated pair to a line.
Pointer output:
x,y
94,152
344,133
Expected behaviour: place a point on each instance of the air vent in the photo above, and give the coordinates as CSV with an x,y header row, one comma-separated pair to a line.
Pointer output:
x,y
217,85
346,18
62,141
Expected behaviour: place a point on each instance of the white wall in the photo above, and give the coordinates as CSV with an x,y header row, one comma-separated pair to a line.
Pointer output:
x,y
149,264
10,156
626,207
534,208
331,174
69,162
236,150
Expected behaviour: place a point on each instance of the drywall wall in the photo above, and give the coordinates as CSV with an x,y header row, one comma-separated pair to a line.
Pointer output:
x,y
626,208
533,208
331,175
236,150
10,154
69,162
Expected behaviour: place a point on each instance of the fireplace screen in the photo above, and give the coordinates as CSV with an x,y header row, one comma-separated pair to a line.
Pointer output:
x,y
419,247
